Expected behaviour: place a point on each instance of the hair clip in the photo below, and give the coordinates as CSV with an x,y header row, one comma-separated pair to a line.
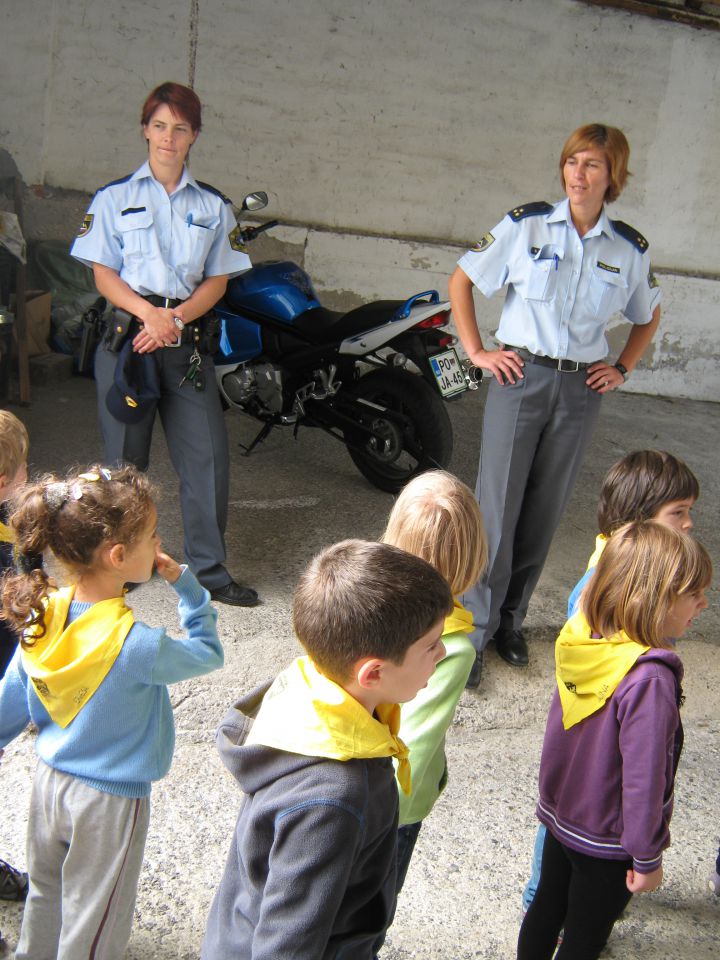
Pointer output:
x,y
103,474
76,490
56,495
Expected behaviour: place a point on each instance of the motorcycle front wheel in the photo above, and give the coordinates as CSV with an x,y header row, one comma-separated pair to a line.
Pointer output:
x,y
411,430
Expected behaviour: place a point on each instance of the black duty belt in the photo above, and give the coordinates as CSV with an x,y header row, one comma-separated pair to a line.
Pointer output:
x,y
562,364
157,301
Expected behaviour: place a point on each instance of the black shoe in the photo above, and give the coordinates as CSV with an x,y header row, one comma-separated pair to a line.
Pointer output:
x,y
512,646
13,883
473,681
236,595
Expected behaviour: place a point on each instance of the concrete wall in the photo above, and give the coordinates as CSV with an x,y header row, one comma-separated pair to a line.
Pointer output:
x,y
402,119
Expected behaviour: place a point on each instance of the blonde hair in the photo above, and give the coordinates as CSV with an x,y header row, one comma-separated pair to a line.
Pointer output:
x,y
14,444
643,569
615,147
437,517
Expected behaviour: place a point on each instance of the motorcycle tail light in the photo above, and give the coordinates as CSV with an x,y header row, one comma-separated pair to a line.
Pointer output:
x,y
446,341
436,320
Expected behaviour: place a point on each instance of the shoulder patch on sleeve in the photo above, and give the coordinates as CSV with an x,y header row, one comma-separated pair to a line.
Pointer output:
x,y
114,183
529,210
236,241
86,225
483,244
632,235
211,189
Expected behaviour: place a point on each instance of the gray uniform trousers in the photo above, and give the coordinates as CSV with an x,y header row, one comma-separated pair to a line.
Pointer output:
x,y
84,854
197,442
535,434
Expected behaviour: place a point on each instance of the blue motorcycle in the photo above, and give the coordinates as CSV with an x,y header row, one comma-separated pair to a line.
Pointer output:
x,y
376,378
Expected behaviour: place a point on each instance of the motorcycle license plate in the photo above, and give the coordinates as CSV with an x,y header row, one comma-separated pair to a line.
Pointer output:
x,y
448,373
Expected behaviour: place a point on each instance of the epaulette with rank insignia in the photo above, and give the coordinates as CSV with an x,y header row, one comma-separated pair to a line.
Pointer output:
x,y
631,234
115,183
529,210
207,186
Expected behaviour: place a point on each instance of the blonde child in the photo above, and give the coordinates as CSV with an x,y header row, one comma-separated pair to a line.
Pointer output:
x,y
436,517
613,739
93,681
14,445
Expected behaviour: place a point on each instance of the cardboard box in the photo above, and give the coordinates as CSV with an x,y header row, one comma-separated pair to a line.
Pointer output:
x,y
37,320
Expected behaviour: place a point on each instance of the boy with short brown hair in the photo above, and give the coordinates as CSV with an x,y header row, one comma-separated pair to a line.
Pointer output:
x,y
311,869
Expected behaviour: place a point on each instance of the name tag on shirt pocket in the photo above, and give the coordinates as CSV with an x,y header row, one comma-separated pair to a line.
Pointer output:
x,y
607,290
135,228
542,271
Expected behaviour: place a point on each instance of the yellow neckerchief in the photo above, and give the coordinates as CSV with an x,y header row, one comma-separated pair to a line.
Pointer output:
x,y
589,670
600,544
69,663
304,712
459,620
6,535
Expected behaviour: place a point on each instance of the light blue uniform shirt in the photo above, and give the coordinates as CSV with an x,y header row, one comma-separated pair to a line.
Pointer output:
x,y
160,244
562,289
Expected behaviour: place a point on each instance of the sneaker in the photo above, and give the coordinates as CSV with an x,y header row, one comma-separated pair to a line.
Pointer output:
x,y
13,883
714,883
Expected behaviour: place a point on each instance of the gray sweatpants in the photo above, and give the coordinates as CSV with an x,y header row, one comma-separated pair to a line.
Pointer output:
x,y
84,854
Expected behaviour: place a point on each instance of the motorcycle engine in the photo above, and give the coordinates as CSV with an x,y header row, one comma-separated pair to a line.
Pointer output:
x,y
255,384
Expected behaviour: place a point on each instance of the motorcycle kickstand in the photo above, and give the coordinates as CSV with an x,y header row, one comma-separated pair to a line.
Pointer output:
x,y
258,439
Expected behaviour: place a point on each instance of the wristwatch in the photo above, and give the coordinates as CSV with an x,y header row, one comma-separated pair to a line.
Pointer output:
x,y
622,369
181,326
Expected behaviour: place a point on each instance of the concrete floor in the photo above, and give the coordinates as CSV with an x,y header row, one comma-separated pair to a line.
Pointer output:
x,y
462,897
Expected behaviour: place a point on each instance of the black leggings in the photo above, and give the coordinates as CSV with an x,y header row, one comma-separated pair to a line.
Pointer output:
x,y
584,894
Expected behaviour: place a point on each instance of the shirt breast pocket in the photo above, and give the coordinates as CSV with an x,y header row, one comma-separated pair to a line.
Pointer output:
x,y
201,230
541,272
136,232
607,292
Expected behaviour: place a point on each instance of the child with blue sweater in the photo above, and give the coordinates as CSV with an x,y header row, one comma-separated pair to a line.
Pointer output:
x,y
93,681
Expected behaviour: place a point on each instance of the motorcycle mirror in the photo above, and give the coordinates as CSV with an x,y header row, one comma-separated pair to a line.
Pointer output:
x,y
255,201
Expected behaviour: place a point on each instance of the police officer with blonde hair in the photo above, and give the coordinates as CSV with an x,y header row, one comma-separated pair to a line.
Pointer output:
x,y
568,268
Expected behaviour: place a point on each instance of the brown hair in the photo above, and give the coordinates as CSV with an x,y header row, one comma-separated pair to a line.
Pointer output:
x,y
639,485
72,518
360,599
615,146
437,517
643,569
14,444
183,102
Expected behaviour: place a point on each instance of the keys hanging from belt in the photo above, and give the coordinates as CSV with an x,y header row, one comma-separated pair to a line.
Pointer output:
x,y
193,374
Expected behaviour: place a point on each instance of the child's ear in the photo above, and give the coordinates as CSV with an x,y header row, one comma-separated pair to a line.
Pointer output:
x,y
116,555
3,482
369,673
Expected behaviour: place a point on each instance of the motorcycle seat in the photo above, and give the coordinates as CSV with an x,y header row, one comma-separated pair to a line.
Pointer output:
x,y
325,326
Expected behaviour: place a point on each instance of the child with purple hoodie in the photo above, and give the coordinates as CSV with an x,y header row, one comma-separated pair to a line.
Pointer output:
x,y
613,739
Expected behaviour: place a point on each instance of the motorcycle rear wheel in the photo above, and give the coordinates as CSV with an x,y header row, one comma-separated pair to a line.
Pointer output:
x,y
417,437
